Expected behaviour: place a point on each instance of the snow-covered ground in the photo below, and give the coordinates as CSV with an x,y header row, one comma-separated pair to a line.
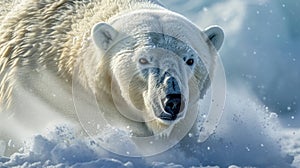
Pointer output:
x,y
248,135
260,123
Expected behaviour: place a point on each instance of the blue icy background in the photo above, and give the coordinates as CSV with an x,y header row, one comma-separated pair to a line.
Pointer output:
x,y
262,46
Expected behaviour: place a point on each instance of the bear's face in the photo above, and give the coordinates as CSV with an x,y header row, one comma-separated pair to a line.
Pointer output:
x,y
160,84
159,65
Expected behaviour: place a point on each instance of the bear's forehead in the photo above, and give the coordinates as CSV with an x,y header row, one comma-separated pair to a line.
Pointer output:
x,y
153,41
156,21
173,28
166,42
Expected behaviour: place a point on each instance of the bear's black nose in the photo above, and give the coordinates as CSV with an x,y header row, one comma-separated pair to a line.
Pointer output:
x,y
173,106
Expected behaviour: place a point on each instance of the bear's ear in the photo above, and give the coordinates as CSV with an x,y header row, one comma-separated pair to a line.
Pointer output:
x,y
216,35
103,35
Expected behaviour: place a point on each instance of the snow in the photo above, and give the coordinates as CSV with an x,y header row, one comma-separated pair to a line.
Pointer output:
x,y
260,123
247,135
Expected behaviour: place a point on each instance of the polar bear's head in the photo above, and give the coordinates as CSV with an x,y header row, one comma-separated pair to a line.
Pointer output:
x,y
156,65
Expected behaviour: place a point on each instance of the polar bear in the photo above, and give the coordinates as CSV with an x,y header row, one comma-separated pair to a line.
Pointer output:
x,y
147,66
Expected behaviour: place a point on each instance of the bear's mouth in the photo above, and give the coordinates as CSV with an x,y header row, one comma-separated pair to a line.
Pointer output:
x,y
173,106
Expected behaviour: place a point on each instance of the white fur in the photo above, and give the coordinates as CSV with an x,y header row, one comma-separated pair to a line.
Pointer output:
x,y
88,52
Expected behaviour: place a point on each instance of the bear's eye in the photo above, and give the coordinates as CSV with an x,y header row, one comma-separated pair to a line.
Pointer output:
x,y
190,62
143,61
